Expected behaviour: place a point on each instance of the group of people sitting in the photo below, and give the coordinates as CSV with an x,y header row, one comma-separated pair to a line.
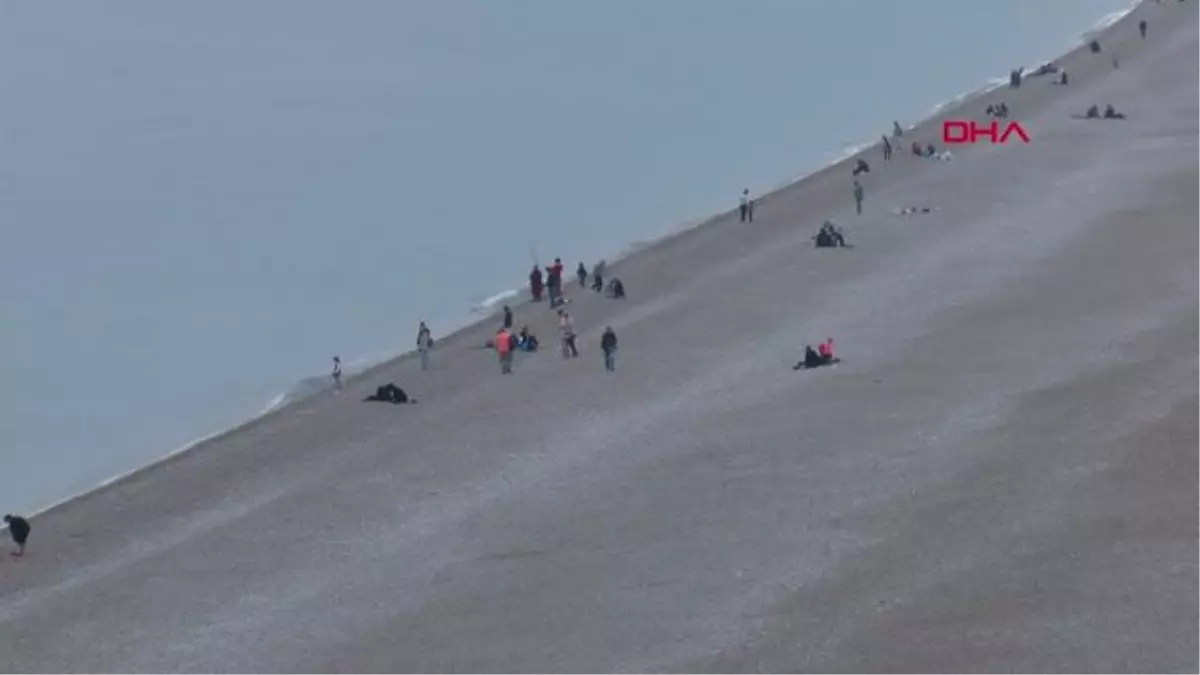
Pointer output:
x,y
390,393
1110,113
999,110
815,358
829,236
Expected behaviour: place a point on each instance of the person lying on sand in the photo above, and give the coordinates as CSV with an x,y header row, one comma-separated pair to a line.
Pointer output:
x,y
390,393
1110,113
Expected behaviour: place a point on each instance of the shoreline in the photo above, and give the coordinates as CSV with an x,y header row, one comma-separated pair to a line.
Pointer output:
x,y
473,320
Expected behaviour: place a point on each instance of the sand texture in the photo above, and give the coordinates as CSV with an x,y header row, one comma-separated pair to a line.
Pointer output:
x,y
1001,475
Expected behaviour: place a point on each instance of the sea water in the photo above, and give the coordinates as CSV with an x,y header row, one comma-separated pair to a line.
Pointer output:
x,y
202,203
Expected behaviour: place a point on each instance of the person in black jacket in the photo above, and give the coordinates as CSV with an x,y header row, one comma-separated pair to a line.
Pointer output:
x,y
18,527
608,345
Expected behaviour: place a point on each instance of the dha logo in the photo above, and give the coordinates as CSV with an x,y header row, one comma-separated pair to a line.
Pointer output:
x,y
967,131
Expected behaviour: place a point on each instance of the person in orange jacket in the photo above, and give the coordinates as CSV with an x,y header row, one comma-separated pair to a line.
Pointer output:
x,y
503,345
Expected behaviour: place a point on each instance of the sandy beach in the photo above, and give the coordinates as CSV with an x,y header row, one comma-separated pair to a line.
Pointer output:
x,y
999,476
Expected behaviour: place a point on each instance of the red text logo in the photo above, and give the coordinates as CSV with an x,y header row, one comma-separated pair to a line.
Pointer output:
x,y
969,131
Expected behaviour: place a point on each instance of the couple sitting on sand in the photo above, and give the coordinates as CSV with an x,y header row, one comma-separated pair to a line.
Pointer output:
x,y
815,358
829,236
390,393
1110,113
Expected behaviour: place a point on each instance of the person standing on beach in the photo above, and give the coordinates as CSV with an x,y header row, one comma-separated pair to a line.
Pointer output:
x,y
887,149
858,197
566,326
337,373
608,345
1142,26
746,207
503,344
18,529
508,318
535,284
896,130
598,277
424,344
581,274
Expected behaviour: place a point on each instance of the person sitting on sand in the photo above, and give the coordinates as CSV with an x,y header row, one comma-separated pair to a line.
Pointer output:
x,y
930,151
861,166
829,236
616,289
18,529
527,341
811,359
1110,113
825,350
916,148
1093,113
390,393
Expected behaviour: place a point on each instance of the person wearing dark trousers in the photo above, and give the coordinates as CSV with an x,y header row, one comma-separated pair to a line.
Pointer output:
x,y
887,149
508,318
746,208
581,274
18,529
608,345
858,197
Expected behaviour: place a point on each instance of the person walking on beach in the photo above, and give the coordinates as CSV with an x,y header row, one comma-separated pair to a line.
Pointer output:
x,y
503,345
18,529
746,207
337,373
598,277
608,345
554,282
566,327
887,149
858,197
424,344
508,318
1142,26
581,274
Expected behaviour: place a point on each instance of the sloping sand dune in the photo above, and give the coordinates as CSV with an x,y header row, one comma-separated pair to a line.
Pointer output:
x,y
1001,475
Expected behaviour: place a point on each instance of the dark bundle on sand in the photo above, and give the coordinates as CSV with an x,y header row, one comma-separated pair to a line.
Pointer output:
x,y
390,393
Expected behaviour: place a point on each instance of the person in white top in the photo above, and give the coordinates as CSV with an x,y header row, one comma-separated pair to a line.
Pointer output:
x,y
746,208
566,326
